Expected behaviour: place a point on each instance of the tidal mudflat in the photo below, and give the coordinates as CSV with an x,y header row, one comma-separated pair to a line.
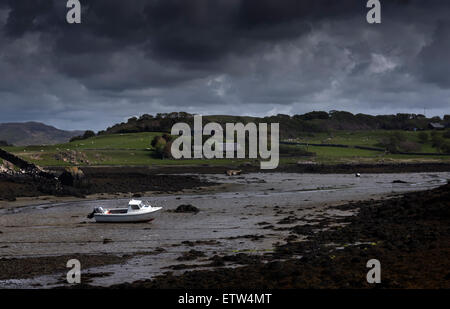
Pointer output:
x,y
253,214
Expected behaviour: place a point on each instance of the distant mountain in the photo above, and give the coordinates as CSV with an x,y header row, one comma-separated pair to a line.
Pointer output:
x,y
34,133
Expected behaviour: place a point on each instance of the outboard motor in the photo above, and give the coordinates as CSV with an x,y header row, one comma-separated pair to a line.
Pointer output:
x,y
97,210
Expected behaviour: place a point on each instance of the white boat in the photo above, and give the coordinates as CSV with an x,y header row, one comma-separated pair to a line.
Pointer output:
x,y
137,211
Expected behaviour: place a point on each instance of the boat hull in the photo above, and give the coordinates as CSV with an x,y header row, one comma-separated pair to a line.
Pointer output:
x,y
124,218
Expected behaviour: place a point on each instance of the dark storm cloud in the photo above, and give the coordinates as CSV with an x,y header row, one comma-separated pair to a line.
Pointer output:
x,y
434,61
194,30
221,56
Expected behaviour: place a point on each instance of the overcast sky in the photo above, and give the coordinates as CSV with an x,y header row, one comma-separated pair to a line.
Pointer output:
x,y
240,57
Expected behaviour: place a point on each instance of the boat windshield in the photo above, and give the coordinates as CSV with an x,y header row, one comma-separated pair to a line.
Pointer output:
x,y
135,204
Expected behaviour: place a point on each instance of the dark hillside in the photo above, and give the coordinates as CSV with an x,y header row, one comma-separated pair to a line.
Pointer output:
x,y
33,133
290,126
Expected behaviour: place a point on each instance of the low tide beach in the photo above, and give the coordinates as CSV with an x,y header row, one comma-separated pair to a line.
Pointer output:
x,y
240,221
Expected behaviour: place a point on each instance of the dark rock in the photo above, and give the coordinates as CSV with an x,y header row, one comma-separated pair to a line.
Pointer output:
x,y
188,243
306,229
288,220
263,223
73,177
399,181
191,255
217,261
251,237
187,208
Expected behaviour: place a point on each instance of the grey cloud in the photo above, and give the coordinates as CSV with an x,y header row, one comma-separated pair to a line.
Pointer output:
x,y
223,56
434,64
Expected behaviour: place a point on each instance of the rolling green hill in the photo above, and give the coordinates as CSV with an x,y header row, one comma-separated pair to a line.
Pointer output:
x,y
135,149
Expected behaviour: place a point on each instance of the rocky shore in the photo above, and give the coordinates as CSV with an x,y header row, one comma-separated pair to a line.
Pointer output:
x,y
409,235
97,180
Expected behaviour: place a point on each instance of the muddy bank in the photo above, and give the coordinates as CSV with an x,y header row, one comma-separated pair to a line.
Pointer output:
x,y
113,180
313,168
98,180
409,235
144,179
254,215
22,268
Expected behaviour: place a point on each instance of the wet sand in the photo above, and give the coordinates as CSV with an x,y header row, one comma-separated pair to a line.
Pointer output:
x,y
409,166
252,216
408,235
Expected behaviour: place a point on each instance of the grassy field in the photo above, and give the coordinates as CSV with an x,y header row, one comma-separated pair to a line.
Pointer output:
x,y
135,149
370,138
117,149
332,155
365,138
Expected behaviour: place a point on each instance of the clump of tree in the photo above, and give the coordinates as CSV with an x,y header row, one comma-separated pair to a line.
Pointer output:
x,y
440,142
4,144
446,134
290,126
437,139
392,142
409,146
423,137
161,122
313,115
445,147
162,145
397,142
87,134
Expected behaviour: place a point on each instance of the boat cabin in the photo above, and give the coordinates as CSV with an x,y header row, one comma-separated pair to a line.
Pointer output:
x,y
135,205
